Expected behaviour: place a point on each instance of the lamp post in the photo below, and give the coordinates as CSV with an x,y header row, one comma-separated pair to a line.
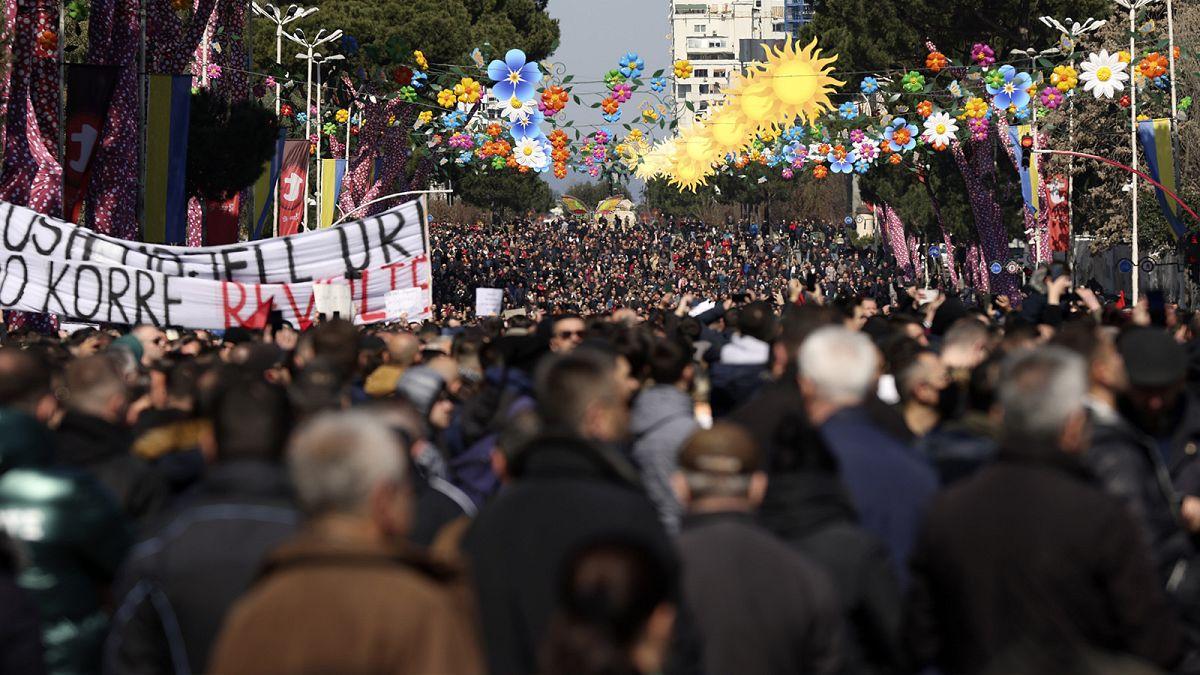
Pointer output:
x,y
317,60
271,13
1070,37
1033,54
310,46
1133,6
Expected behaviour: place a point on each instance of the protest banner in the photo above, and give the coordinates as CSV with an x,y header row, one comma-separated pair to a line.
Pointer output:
x,y
406,302
51,266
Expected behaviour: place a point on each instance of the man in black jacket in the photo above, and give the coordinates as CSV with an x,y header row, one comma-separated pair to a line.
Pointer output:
x,y
177,586
568,488
93,436
1028,556
760,606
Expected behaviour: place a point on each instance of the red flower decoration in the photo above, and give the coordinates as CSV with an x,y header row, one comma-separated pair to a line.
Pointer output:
x,y
285,110
402,75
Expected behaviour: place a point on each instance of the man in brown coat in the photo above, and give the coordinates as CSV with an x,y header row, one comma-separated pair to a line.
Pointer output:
x,y
347,595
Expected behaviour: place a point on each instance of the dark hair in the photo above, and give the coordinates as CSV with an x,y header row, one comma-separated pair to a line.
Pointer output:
x,y
24,379
251,417
758,321
337,343
568,384
667,361
608,590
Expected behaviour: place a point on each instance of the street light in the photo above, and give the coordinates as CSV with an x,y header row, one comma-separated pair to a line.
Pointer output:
x,y
298,37
318,60
271,13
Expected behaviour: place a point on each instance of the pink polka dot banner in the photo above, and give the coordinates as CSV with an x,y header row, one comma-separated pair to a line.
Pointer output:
x,y
977,173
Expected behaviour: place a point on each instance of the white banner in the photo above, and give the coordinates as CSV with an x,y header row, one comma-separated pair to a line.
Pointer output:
x,y
488,301
51,266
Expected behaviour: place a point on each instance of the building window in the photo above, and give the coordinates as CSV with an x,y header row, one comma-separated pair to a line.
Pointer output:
x,y
700,72
778,27
699,28
683,90
719,74
704,89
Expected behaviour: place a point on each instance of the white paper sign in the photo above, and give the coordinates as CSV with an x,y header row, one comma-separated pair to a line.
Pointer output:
x,y
333,300
702,308
407,302
488,301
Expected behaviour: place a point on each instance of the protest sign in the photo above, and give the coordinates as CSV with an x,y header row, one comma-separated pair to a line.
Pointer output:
x,y
50,266
488,301
406,302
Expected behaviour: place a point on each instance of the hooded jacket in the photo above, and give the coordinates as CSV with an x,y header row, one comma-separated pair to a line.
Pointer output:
x,y
811,511
102,448
73,535
661,421
566,492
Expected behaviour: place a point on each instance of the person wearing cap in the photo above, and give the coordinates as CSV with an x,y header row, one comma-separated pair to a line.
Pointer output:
x,y
760,605
1158,404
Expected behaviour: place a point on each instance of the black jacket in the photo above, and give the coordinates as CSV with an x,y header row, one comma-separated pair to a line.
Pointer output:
x,y
177,586
103,449
20,632
566,493
1130,468
1029,552
812,512
760,606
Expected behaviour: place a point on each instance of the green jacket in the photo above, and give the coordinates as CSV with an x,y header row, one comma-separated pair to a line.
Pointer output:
x,y
71,535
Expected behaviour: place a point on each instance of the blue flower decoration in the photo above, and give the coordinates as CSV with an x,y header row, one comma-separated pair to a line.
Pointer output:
x,y
454,120
1013,91
301,117
530,127
419,79
848,110
845,165
613,117
793,134
466,156
349,45
514,77
658,84
1162,82
631,65
869,85
861,166
1022,113
890,133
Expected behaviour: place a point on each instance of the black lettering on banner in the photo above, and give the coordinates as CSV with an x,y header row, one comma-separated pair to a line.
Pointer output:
x,y
168,301
230,264
8,227
58,235
169,257
387,239
80,290
216,273
144,293
73,234
262,264
350,266
52,288
13,261
291,258
114,295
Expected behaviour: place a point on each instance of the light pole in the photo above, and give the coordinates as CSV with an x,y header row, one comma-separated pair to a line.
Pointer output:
x,y
271,13
1033,54
321,38
318,60
1133,6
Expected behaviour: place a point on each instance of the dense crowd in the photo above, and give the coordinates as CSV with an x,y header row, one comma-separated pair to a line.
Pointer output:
x,y
835,472
558,265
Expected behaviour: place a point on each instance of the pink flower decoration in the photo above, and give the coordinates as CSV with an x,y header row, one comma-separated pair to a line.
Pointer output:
x,y
856,135
979,128
983,54
622,92
787,174
214,71
1052,97
270,81
601,137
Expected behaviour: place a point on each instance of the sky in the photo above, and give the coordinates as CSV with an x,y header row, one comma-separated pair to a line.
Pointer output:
x,y
594,35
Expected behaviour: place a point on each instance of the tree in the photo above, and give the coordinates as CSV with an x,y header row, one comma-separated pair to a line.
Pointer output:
x,y
230,143
592,193
503,191
671,201
876,36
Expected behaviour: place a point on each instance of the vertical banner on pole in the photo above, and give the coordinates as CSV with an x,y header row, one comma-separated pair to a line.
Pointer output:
x,y
1055,198
264,191
1029,176
293,186
332,171
89,93
1155,138
168,114
221,221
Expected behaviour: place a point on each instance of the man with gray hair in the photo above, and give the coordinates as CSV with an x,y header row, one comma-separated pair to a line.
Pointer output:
x,y
1030,558
889,484
348,595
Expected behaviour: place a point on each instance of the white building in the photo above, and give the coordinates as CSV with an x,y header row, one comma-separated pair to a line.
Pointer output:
x,y
719,40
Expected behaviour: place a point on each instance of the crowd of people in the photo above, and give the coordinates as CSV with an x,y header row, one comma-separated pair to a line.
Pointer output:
x,y
742,470
569,265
